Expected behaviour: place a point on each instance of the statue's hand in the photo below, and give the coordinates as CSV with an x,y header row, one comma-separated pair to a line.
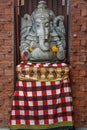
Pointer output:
x,y
61,54
26,54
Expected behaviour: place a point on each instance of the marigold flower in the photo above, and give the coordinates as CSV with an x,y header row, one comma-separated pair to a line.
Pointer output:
x,y
54,48
30,49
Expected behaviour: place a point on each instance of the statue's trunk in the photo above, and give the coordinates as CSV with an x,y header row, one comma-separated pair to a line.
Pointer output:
x,y
44,46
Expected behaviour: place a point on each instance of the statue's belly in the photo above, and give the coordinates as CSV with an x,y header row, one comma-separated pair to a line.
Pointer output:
x,y
38,54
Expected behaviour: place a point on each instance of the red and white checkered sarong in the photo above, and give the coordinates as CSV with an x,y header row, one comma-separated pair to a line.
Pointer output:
x,y
42,105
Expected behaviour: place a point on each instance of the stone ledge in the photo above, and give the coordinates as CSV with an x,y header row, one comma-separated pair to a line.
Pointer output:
x,y
81,128
4,129
63,129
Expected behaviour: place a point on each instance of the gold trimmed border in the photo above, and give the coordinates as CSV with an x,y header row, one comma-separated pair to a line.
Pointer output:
x,y
62,124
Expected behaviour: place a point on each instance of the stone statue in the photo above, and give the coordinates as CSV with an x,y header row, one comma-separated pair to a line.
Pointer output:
x,y
42,35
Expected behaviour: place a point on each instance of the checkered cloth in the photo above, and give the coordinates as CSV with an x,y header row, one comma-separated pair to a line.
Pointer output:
x,y
48,64
42,105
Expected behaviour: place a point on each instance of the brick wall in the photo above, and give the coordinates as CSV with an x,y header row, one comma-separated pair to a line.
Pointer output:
x,y
6,60
78,60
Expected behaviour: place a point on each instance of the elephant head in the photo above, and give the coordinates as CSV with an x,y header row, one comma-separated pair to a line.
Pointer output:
x,y
41,19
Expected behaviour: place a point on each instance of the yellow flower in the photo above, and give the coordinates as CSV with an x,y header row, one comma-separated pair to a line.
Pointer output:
x,y
54,48
30,49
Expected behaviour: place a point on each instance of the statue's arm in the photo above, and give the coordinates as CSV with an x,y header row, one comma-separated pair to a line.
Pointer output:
x,y
26,24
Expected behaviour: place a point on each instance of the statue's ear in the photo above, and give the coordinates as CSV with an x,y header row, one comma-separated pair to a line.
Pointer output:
x,y
26,21
57,20
26,24
33,23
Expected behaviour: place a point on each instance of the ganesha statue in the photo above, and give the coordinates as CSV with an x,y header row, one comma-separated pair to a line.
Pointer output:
x,y
42,35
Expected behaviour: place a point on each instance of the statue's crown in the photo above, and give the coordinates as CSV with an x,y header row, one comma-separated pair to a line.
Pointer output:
x,y
42,4
42,11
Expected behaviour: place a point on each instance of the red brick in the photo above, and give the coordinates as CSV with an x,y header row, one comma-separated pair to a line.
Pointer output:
x,y
76,28
1,27
83,57
75,58
6,35
84,28
5,1
79,102
6,60
8,26
78,56
76,4
81,20
82,73
84,43
6,18
8,11
76,43
84,12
